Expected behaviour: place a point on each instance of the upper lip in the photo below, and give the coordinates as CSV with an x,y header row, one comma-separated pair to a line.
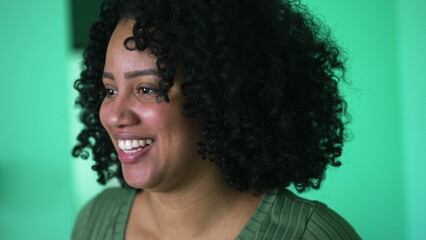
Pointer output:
x,y
130,137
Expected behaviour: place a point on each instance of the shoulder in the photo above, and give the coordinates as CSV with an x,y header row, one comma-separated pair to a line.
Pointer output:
x,y
298,218
106,214
325,223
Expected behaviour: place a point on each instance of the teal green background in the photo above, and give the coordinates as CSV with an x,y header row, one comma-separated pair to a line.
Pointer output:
x,y
380,188
36,188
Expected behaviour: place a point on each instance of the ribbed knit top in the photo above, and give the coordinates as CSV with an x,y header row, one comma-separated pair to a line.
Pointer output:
x,y
280,215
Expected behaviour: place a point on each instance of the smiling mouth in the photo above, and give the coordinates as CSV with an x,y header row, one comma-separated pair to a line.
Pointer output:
x,y
132,146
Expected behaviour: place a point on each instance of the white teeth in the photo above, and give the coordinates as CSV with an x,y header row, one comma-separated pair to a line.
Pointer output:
x,y
128,144
132,151
133,144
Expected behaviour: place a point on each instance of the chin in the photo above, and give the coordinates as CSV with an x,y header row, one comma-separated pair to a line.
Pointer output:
x,y
138,179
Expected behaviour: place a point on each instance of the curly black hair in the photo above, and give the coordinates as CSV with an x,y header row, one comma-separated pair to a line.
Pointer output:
x,y
262,79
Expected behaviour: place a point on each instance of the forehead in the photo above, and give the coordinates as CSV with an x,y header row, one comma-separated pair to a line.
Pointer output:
x,y
119,57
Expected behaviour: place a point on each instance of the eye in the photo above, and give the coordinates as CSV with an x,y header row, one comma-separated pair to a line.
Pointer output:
x,y
147,90
110,92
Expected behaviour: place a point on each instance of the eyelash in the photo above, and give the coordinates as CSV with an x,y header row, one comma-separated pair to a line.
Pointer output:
x,y
110,92
146,90
142,90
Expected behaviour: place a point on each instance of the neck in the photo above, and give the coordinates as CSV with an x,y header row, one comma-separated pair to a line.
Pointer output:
x,y
196,210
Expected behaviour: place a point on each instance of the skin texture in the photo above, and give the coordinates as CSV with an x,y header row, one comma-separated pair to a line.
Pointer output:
x,y
128,113
184,197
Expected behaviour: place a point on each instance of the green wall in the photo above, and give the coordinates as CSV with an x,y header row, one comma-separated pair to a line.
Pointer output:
x,y
378,188
412,66
35,180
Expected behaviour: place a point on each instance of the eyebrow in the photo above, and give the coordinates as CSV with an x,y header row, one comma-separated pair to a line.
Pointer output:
x,y
132,74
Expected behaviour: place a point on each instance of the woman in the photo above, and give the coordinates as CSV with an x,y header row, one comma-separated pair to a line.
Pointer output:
x,y
206,111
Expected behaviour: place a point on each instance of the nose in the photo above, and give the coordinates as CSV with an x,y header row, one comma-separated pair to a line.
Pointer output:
x,y
119,113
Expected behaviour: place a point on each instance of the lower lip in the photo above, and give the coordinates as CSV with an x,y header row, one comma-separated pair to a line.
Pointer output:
x,y
129,158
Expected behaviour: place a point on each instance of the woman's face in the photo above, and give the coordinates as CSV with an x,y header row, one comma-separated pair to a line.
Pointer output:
x,y
156,145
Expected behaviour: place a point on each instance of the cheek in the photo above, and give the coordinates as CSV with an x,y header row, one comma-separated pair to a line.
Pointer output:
x,y
159,116
150,112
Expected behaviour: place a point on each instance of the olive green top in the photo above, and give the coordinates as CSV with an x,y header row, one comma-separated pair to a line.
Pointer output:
x,y
280,215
